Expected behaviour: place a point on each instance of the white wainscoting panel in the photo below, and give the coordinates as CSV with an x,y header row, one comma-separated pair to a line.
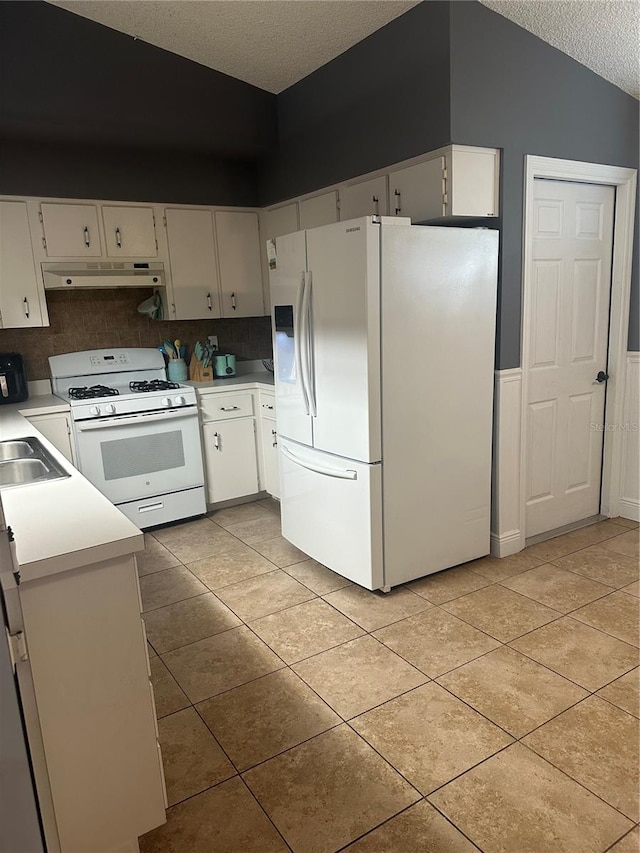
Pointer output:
x,y
629,503
507,537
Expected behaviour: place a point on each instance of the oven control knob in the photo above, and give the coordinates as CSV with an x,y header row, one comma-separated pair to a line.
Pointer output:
x,y
94,410
180,401
110,409
166,401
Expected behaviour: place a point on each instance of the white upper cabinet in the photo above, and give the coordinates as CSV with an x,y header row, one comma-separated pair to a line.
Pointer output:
x,y
22,301
279,221
71,230
366,198
472,181
418,191
193,263
130,232
238,239
461,182
319,210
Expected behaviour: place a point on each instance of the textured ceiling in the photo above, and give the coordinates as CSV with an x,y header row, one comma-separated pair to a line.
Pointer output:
x,y
603,35
268,43
274,43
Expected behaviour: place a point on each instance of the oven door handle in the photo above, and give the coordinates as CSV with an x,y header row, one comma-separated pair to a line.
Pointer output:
x,y
131,420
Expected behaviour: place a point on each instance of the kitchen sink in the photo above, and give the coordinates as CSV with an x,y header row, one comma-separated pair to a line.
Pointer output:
x,y
15,450
25,461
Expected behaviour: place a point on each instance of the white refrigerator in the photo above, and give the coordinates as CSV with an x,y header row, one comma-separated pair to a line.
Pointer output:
x,y
384,336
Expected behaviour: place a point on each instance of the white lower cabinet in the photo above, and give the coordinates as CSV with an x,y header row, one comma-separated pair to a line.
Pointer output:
x,y
231,462
270,479
57,428
269,464
240,443
230,459
82,672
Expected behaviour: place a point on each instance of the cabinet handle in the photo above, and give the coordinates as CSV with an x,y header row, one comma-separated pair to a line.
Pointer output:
x,y
216,440
87,238
233,301
266,406
398,201
209,301
25,305
275,438
118,238
376,201
229,408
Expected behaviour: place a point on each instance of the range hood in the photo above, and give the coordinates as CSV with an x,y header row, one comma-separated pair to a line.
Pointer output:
x,y
102,274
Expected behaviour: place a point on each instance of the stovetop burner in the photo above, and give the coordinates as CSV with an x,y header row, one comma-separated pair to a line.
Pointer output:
x,y
153,385
85,393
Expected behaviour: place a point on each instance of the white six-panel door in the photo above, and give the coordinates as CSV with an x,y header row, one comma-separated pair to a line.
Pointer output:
x,y
568,318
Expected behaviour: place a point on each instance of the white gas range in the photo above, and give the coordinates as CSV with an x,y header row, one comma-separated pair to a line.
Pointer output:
x,y
137,435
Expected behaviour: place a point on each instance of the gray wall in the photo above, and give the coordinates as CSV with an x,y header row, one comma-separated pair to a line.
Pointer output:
x,y
383,100
511,90
44,168
87,111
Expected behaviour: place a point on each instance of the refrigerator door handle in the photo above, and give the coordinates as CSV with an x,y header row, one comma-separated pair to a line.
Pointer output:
x,y
339,473
306,346
298,342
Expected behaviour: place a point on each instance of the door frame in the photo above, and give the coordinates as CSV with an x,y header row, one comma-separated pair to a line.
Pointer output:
x,y
624,181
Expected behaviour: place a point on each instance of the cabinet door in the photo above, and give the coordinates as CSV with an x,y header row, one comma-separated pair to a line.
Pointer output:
x,y
71,230
282,220
320,210
230,459
130,232
418,191
192,257
20,291
368,198
270,466
239,258
57,428
472,181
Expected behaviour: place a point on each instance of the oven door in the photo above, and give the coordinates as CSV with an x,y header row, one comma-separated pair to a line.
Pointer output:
x,y
140,456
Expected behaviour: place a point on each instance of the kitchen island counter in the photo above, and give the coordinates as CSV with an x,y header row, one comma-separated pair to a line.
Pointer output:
x,y
60,524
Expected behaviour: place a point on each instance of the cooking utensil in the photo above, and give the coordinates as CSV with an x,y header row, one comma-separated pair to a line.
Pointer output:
x,y
170,349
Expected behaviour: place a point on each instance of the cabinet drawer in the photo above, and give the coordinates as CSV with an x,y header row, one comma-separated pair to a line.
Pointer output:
x,y
219,407
267,405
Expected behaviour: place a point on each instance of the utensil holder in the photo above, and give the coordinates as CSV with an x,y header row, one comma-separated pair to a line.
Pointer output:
x,y
177,370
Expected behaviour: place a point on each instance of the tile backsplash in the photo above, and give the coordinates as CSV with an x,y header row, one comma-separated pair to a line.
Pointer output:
x,y
97,319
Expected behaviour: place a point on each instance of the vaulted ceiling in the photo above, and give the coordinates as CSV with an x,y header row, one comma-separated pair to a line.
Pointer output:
x,y
274,43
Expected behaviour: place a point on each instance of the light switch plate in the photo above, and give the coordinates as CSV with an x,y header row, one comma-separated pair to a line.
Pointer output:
x,y
213,340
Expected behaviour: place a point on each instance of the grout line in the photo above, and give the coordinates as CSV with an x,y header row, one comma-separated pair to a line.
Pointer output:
x,y
577,782
393,651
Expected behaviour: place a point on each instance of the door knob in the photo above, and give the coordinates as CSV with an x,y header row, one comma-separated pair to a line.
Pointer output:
x,y
602,376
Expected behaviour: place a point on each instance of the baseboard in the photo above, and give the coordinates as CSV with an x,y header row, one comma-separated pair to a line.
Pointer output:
x,y
629,508
506,544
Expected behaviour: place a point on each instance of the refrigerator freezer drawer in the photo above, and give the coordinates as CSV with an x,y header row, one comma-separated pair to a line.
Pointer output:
x,y
332,510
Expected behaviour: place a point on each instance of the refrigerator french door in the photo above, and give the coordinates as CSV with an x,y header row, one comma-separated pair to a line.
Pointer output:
x,y
384,356
325,292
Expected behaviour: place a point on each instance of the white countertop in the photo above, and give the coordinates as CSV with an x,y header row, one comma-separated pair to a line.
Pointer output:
x,y
257,379
61,524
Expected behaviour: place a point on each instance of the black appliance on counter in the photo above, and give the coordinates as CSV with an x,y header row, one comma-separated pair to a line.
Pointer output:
x,y
13,379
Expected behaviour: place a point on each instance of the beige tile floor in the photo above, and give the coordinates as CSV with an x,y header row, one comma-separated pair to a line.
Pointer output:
x,y
490,707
